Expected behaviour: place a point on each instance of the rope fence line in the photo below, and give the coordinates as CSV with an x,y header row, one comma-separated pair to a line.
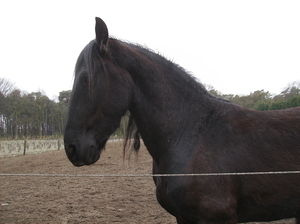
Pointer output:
x,y
149,175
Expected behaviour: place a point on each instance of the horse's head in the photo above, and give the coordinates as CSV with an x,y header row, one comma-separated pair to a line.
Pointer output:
x,y
100,97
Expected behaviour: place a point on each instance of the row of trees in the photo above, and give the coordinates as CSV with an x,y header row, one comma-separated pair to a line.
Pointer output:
x,y
34,115
30,115
264,100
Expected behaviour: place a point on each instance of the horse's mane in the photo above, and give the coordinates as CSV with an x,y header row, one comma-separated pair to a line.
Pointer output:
x,y
132,132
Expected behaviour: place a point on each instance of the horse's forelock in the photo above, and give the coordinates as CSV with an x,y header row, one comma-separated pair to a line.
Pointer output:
x,y
95,64
92,58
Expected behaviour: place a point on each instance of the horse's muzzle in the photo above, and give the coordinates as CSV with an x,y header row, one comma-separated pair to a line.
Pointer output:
x,y
81,151
82,156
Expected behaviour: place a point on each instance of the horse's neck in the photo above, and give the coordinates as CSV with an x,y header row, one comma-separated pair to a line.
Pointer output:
x,y
167,103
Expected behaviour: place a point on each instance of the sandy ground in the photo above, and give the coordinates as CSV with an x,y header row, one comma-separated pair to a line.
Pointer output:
x,y
44,199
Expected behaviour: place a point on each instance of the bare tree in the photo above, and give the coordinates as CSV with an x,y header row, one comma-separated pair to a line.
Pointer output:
x,y
6,87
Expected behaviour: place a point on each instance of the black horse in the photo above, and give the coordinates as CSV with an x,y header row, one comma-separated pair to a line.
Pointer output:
x,y
187,131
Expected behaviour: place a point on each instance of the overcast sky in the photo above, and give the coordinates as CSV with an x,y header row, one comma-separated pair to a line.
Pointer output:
x,y
236,46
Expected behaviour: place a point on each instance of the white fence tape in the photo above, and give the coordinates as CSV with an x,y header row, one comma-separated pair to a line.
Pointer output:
x,y
16,147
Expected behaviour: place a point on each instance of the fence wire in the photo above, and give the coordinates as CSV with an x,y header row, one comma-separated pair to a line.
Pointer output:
x,y
149,175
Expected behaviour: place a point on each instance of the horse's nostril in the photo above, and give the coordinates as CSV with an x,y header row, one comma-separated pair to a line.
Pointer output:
x,y
71,151
72,147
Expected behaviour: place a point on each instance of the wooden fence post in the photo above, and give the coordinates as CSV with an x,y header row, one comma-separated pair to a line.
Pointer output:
x,y
25,143
58,144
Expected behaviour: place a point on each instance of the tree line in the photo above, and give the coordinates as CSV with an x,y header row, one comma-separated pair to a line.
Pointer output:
x,y
263,100
31,115
34,115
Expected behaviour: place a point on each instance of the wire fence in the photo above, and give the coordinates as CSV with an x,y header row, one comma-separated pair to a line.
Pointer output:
x,y
48,145
150,175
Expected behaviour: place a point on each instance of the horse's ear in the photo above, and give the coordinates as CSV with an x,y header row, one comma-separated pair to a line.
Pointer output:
x,y
101,34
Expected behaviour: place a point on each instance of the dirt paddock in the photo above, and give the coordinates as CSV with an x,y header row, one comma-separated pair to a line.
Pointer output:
x,y
45,199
